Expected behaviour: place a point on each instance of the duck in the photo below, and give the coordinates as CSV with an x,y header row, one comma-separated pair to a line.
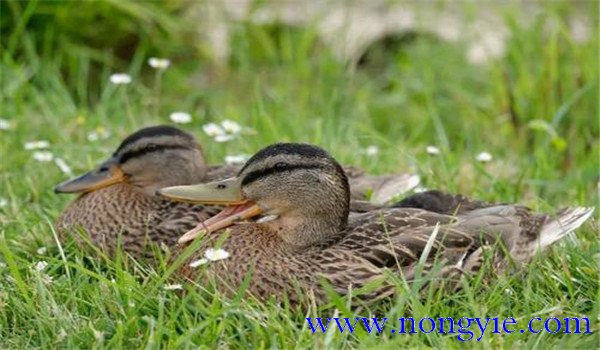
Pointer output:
x,y
118,206
311,246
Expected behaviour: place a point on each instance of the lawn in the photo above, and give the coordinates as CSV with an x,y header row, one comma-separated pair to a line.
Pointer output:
x,y
535,110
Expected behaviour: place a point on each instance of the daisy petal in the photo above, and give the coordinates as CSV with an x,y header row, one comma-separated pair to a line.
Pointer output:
x,y
230,126
5,124
99,134
216,254
432,150
31,145
484,157
180,117
159,63
120,78
224,138
372,150
62,165
212,130
43,156
198,262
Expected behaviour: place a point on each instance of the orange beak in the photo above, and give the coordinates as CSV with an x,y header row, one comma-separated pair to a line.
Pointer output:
x,y
108,173
224,192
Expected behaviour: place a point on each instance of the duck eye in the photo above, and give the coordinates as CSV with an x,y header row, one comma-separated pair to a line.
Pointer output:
x,y
151,147
281,165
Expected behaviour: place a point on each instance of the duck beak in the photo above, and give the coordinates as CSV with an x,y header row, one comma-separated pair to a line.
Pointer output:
x,y
224,192
106,174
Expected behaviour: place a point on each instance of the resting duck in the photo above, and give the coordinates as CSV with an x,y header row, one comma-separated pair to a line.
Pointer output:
x,y
118,198
309,243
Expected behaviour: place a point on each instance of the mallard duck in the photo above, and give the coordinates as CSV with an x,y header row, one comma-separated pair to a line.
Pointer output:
x,y
310,245
119,196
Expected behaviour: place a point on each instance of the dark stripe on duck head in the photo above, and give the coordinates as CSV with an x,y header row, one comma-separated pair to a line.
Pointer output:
x,y
150,148
278,168
301,149
154,131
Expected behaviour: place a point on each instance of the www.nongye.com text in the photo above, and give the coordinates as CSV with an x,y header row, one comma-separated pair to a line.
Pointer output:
x,y
464,327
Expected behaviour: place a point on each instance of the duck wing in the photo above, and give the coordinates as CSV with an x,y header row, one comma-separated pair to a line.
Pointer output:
x,y
396,238
442,203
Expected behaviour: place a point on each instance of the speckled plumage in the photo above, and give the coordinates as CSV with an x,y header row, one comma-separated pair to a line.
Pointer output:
x,y
128,212
297,254
123,211
120,212
151,158
389,240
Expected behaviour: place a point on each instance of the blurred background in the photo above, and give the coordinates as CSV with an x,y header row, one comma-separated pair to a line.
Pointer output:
x,y
497,100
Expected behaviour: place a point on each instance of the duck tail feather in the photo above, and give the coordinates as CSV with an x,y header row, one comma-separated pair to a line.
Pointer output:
x,y
566,221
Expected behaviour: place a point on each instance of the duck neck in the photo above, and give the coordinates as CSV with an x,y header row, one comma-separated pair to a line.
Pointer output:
x,y
302,232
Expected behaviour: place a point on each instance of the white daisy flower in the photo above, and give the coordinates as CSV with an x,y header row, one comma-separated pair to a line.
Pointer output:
x,y
198,262
172,287
43,156
40,265
224,138
159,63
5,124
41,250
231,127
98,134
372,150
484,157
31,145
216,254
120,78
432,150
227,131
3,202
63,166
236,159
93,136
180,117
213,130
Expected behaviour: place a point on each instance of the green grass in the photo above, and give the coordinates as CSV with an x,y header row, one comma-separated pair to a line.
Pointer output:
x,y
535,110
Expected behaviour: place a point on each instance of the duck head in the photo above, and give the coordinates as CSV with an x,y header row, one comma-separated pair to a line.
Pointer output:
x,y
300,185
149,159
